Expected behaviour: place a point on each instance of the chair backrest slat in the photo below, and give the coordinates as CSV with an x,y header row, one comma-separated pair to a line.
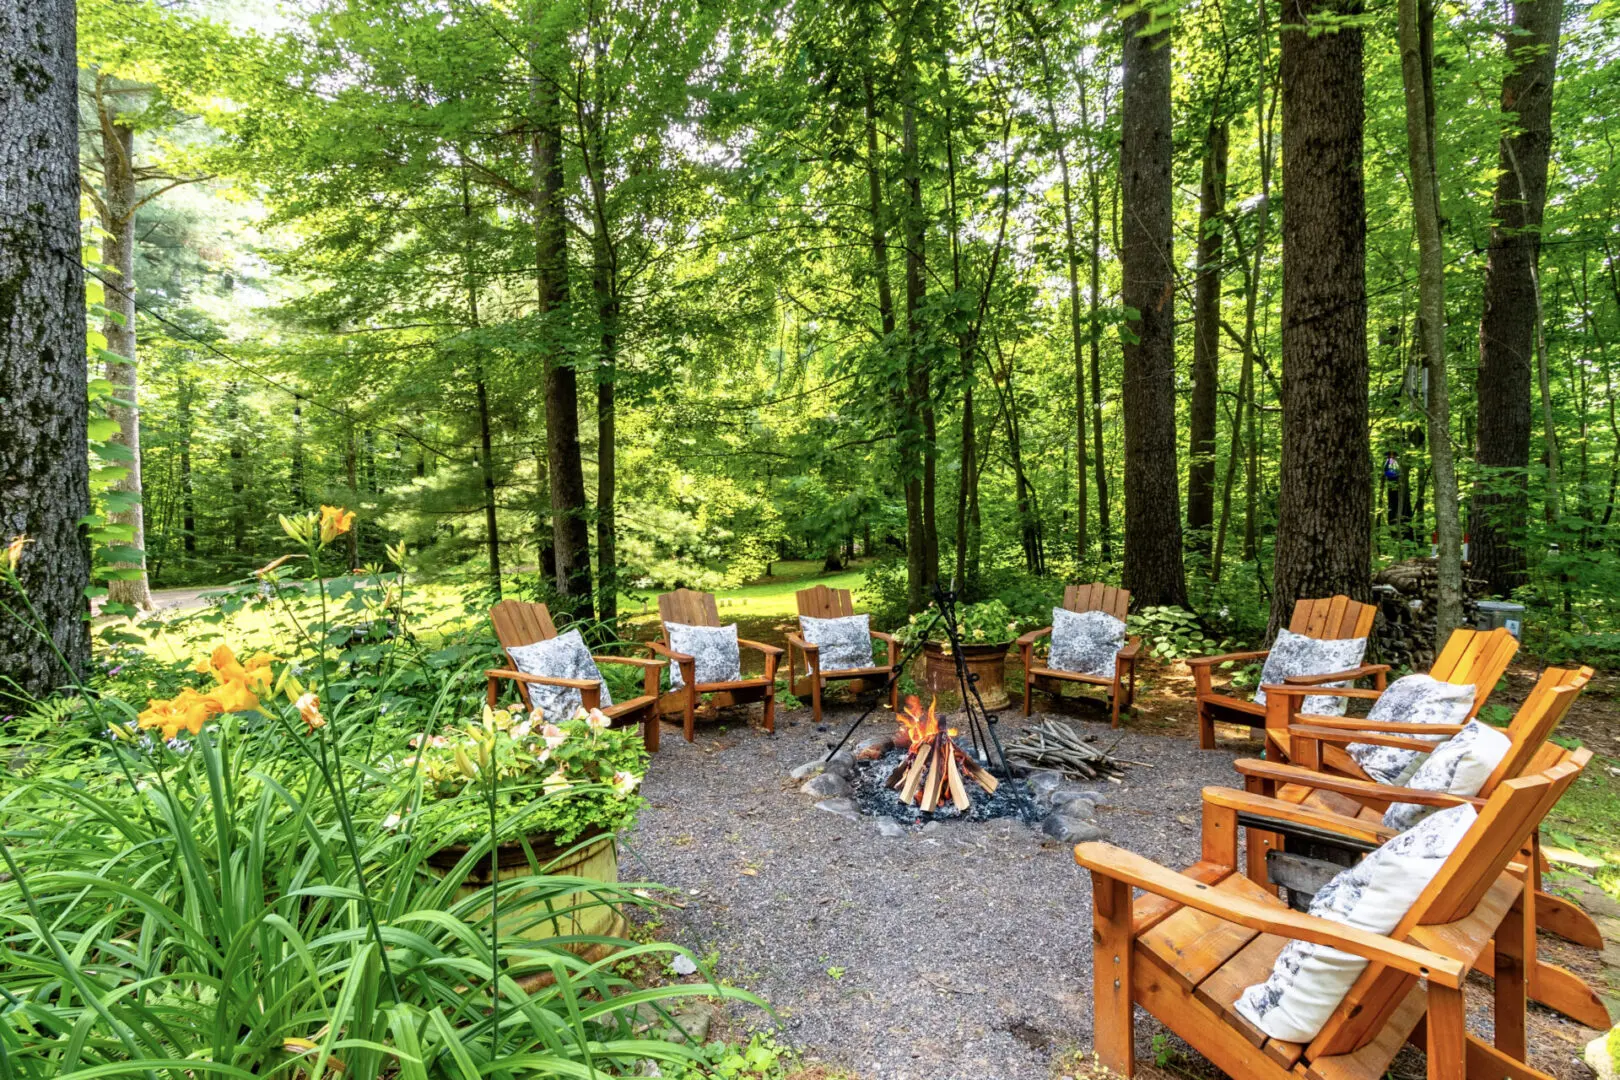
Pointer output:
x,y
1533,724
689,607
1475,658
518,622
1095,596
820,602
1332,618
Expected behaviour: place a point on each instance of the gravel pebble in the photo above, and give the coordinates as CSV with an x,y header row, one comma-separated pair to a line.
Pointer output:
x,y
965,954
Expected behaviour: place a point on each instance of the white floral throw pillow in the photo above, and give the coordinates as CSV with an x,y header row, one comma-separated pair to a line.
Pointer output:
x,y
1296,654
1085,642
845,642
1309,981
1411,699
713,650
563,657
1458,766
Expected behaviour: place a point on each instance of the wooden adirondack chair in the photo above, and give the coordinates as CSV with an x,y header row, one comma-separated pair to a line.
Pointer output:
x,y
1329,619
1187,950
518,623
1122,687
1474,658
699,609
1364,801
821,602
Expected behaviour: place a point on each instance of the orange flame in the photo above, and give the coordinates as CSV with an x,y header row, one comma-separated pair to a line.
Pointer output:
x,y
918,726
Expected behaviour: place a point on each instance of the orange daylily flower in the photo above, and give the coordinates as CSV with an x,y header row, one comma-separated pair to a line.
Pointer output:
x,y
309,707
335,521
187,709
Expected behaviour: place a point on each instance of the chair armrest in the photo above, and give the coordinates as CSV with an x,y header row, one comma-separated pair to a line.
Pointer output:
x,y
768,650
1132,869
1276,772
1247,802
798,642
1337,676
667,653
1297,690
544,680
1133,646
1371,738
638,661
1233,657
1033,636
882,635
1388,727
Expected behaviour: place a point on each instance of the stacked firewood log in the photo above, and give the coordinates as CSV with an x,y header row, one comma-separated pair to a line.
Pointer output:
x,y
1404,634
1057,746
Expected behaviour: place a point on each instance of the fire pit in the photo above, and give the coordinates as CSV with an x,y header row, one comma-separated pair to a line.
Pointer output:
x,y
934,766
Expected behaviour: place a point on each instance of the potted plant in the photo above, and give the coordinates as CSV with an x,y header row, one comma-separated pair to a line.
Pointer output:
x,y
554,795
987,630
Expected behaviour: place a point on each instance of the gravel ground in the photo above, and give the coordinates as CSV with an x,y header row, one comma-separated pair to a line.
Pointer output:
x,y
962,953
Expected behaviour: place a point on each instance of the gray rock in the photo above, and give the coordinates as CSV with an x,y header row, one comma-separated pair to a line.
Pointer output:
x,y
1044,782
931,827
808,769
841,807
1083,809
842,763
693,1023
872,749
827,785
891,829
1065,796
1069,830
683,965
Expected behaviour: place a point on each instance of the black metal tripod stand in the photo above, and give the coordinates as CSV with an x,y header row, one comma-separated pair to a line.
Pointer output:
x,y
981,726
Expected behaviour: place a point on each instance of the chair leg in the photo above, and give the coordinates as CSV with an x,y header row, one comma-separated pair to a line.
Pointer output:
x,y
1113,704
1511,948
649,728
1447,1032
770,709
1111,958
1029,690
691,713
1206,727
894,696
815,696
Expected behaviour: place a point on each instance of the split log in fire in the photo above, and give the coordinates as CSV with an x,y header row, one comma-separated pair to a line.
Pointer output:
x,y
934,767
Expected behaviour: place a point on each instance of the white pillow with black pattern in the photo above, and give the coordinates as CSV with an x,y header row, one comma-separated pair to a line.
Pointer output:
x,y
713,649
1085,642
843,643
562,657
1296,654
1458,766
1309,981
1411,699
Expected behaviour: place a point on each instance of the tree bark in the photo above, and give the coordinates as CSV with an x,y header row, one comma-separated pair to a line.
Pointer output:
x,y
1324,541
570,525
188,498
1094,334
607,571
1206,338
1416,23
917,447
44,470
1508,325
1153,570
117,206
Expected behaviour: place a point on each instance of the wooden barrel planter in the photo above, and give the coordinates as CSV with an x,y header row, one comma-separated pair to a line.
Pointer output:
x,y
989,662
531,918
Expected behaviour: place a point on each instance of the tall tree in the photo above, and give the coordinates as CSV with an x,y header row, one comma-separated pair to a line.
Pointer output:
x,y
917,446
1324,497
1207,332
1510,323
1153,570
1416,18
44,470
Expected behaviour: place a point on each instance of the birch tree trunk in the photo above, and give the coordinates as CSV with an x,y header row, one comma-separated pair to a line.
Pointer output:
x,y
44,468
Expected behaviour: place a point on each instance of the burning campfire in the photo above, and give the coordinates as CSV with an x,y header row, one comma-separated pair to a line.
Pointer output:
x,y
934,766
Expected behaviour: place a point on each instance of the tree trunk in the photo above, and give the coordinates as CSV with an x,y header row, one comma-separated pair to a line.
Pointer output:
x,y
1324,537
44,471
238,467
1206,338
118,253
188,498
917,447
350,460
1416,19
1094,336
1508,325
1153,571
607,571
486,464
1071,252
297,470
570,524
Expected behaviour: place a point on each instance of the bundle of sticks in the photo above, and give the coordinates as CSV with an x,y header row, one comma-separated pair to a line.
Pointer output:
x,y
1057,746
